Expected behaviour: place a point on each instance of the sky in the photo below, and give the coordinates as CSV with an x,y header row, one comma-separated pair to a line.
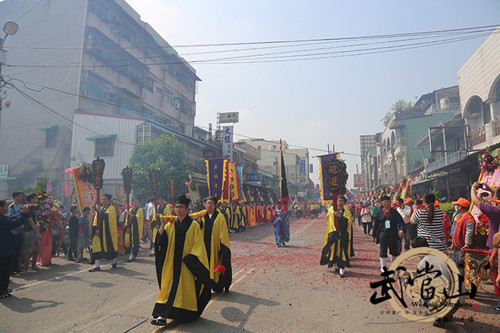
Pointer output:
x,y
315,103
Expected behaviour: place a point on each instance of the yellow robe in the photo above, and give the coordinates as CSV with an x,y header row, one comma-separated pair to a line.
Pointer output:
x,y
155,223
105,246
182,270
129,233
216,238
337,243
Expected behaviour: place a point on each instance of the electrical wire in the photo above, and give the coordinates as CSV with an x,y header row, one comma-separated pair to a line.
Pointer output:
x,y
284,55
134,110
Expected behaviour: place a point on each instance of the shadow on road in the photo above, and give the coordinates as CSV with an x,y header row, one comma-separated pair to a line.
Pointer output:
x,y
28,305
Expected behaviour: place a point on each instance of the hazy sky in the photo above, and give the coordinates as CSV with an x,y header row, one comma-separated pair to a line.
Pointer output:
x,y
315,102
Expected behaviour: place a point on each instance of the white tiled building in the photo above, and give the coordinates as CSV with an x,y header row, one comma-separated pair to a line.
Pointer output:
x,y
479,82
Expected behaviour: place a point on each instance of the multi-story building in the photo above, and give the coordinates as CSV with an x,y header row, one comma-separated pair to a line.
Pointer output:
x,y
367,149
396,154
479,81
86,57
456,143
296,163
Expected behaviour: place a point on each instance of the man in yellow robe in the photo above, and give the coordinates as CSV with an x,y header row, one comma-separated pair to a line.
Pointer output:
x,y
161,208
217,245
337,244
133,229
181,267
104,234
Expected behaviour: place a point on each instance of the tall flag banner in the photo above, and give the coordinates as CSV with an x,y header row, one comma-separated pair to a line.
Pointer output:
x,y
85,192
225,182
239,170
215,176
234,184
405,189
194,193
332,176
285,198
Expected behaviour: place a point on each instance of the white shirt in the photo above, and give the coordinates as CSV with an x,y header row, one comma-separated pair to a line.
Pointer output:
x,y
149,210
405,213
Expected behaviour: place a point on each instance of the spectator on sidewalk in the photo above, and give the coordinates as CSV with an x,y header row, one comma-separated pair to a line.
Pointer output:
x,y
388,230
7,247
83,233
405,211
463,234
17,233
366,217
493,213
73,233
31,237
429,221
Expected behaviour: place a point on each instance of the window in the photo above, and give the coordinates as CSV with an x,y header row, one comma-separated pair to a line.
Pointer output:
x,y
104,147
150,83
143,133
51,138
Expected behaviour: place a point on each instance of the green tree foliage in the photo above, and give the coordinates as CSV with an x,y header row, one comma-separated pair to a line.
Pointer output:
x,y
401,105
165,154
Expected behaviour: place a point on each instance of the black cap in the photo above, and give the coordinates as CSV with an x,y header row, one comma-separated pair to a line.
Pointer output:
x,y
183,200
385,197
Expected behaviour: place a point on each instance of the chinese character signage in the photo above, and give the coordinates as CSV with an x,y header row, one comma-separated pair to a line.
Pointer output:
x,y
302,166
253,177
227,142
228,117
4,171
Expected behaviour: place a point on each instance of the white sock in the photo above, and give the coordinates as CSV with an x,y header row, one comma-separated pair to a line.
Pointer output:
x,y
115,261
131,256
97,263
383,263
341,271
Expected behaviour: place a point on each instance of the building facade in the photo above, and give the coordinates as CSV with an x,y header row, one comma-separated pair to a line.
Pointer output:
x,y
93,57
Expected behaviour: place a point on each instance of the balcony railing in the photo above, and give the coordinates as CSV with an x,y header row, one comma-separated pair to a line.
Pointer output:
x,y
452,158
478,136
495,127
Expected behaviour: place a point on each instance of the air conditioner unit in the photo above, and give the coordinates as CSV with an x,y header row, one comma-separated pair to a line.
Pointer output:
x,y
177,105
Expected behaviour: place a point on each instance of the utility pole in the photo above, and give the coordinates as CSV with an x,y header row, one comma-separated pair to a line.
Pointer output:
x,y
9,28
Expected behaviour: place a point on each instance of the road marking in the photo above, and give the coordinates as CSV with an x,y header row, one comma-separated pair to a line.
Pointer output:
x,y
301,230
53,279
213,299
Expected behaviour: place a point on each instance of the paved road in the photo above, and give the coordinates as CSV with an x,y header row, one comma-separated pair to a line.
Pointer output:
x,y
274,290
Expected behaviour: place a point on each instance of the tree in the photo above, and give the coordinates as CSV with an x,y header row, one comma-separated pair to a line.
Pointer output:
x,y
400,106
165,154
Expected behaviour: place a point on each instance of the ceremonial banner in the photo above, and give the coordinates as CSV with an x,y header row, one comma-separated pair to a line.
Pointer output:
x,y
239,170
231,186
194,194
215,176
332,176
85,192
283,183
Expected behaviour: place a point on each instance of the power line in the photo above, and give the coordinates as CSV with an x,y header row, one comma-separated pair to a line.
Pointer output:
x,y
284,57
134,110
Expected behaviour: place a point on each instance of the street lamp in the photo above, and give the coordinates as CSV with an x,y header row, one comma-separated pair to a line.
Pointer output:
x,y
9,28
